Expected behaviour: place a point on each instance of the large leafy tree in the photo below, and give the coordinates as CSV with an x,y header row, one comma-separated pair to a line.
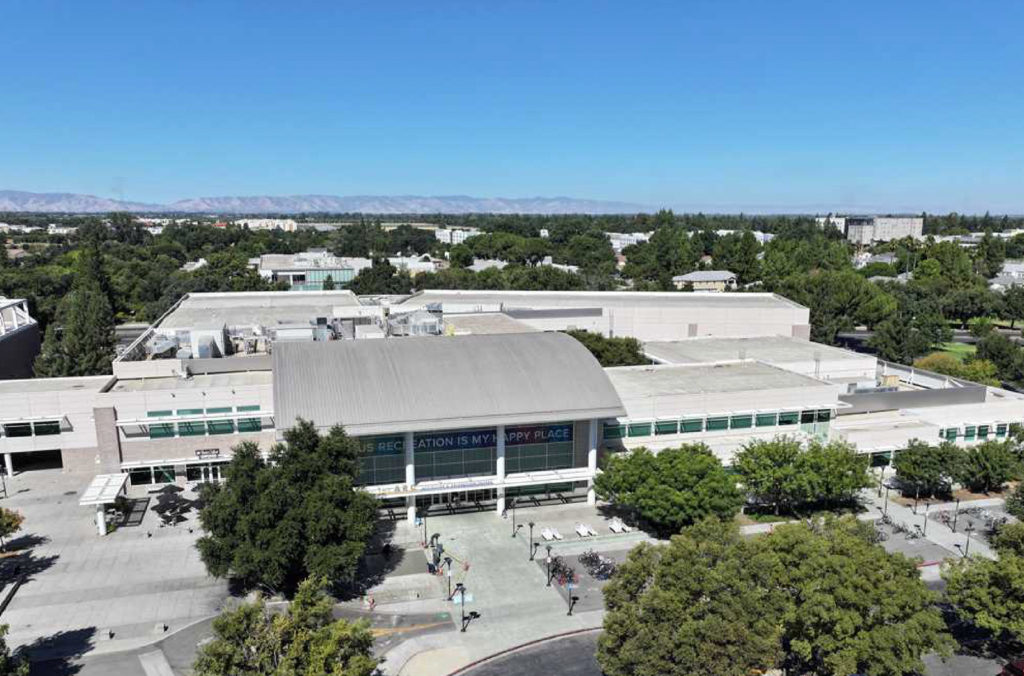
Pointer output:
x,y
989,465
784,474
674,488
304,639
381,278
925,470
276,523
707,603
989,593
84,343
818,599
839,301
854,607
11,664
611,351
1013,304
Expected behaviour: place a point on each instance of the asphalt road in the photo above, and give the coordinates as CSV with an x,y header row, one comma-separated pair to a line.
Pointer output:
x,y
570,656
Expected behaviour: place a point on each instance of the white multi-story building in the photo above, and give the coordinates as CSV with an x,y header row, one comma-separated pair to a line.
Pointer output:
x,y
455,235
19,339
864,230
620,240
285,224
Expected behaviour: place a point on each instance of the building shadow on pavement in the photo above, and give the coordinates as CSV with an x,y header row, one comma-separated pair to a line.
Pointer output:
x,y
56,655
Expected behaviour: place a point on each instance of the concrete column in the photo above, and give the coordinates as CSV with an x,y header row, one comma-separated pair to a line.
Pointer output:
x,y
500,468
592,462
410,475
9,464
101,519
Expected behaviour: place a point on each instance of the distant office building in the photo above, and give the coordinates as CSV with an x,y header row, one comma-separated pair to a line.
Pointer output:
x,y
838,221
285,224
867,229
706,280
455,235
620,240
19,339
307,271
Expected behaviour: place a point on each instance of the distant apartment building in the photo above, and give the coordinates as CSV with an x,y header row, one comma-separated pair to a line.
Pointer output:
x,y
838,221
864,230
19,339
706,281
455,235
285,224
620,240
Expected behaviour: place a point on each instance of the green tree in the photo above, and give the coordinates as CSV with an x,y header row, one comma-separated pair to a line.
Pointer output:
x,y
1013,304
674,488
987,466
965,303
989,255
1004,353
990,594
11,664
925,470
1015,501
10,523
461,256
855,608
704,604
84,345
979,371
1009,539
611,351
769,472
328,283
839,301
303,640
275,523
381,278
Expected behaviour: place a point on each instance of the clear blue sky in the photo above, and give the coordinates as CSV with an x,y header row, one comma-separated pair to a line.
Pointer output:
x,y
718,106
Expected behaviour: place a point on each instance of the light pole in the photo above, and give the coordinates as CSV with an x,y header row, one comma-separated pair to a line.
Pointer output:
x,y
956,514
549,566
924,531
885,507
461,590
572,598
968,531
531,524
513,506
448,560
424,520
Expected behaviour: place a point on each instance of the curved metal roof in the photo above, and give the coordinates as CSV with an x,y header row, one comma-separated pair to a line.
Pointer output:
x,y
435,383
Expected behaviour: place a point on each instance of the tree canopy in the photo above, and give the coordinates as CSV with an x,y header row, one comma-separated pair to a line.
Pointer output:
x,y
674,488
818,599
612,351
276,523
925,470
303,640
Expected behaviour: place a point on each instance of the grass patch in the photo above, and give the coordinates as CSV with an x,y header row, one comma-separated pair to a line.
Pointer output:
x,y
959,350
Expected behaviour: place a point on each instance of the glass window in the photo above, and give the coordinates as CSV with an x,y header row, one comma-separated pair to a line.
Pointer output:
x,y
640,429
194,473
951,433
220,426
983,431
807,417
191,429
140,476
614,431
824,415
666,427
969,432
46,428
163,474
161,430
880,459
741,422
691,425
789,418
1001,430
249,424
715,424
766,419
18,429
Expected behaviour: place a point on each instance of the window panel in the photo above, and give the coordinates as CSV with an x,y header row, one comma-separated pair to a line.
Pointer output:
x,y
741,422
220,426
191,429
18,429
969,432
807,417
1001,430
666,427
824,415
614,431
715,424
767,419
46,428
640,429
789,418
692,425
249,424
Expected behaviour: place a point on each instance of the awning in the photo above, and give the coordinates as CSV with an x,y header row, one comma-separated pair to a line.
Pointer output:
x,y
104,489
554,476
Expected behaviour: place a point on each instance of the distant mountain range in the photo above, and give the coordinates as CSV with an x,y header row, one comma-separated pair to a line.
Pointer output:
x,y
16,200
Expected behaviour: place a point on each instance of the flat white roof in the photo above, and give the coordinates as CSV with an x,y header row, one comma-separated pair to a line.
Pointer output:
x,y
582,299
779,349
264,308
75,384
104,489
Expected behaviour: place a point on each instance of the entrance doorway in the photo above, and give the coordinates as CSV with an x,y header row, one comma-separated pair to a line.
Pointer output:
x,y
33,460
206,473
458,501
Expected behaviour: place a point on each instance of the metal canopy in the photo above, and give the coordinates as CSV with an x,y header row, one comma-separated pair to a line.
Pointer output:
x,y
104,489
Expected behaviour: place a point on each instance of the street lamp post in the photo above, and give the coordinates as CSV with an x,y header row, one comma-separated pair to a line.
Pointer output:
x,y
885,507
924,531
956,514
968,531
424,520
513,506
531,524
549,566
448,560
461,590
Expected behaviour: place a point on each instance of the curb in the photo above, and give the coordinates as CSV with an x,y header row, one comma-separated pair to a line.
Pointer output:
x,y
528,644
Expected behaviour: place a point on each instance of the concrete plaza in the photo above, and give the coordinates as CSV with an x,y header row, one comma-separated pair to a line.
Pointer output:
x,y
85,592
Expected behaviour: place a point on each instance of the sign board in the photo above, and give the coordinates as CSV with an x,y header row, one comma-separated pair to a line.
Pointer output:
x,y
466,439
206,453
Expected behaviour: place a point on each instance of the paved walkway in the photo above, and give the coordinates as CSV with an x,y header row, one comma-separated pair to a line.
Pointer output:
x,y
934,531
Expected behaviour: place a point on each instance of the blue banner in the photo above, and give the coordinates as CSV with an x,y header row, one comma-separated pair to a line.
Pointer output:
x,y
464,439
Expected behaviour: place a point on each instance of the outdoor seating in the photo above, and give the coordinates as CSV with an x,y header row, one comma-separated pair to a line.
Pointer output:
x,y
546,534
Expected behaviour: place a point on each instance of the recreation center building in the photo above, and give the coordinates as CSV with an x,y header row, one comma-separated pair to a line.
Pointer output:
x,y
463,399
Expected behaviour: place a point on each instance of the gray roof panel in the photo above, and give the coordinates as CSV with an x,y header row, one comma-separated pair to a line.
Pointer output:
x,y
436,383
